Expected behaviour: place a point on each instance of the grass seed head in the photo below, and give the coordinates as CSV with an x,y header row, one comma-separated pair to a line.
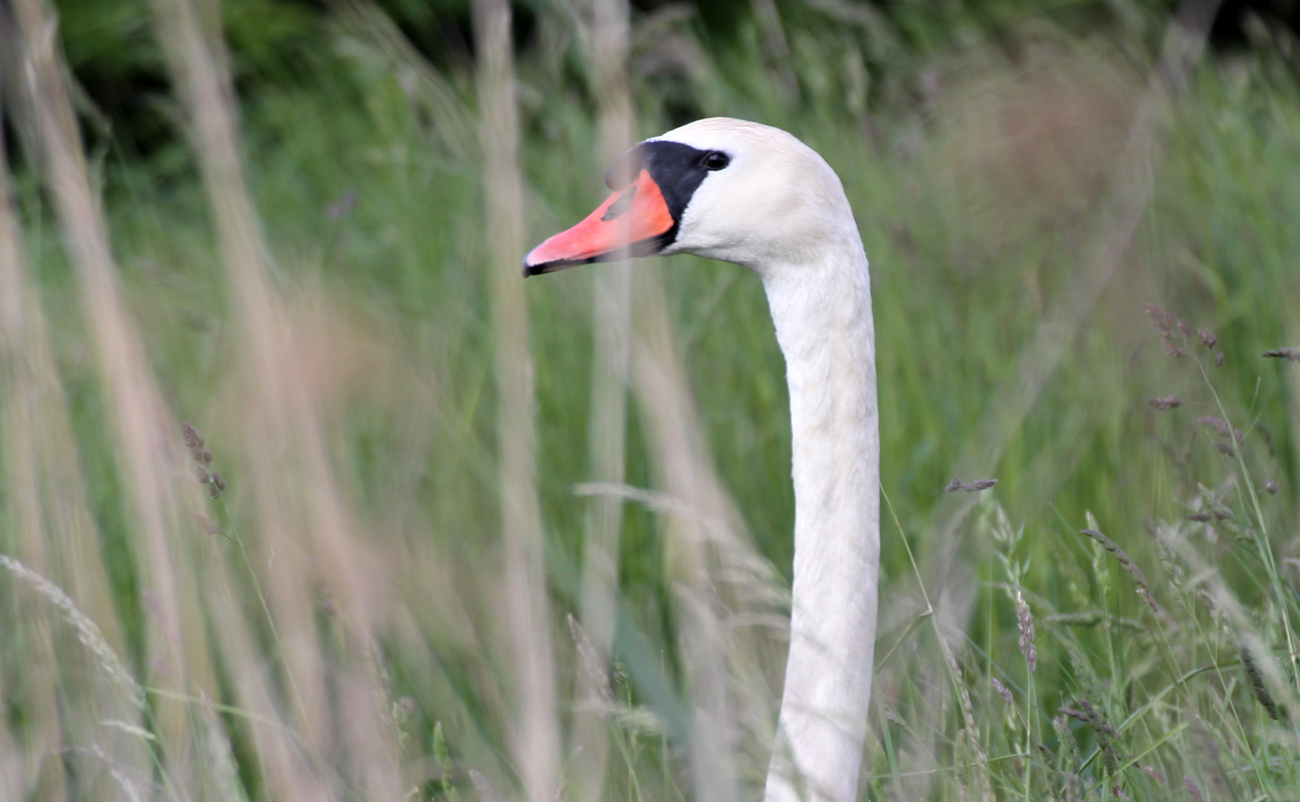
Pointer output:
x,y
1164,323
202,461
88,632
1165,404
1289,354
192,438
484,788
1072,758
1025,619
1218,424
592,663
1073,788
1102,730
1162,320
1207,338
1139,578
969,487
1257,686
1002,689
204,523
1074,713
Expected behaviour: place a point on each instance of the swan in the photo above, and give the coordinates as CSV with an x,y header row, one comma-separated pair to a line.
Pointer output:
x,y
755,195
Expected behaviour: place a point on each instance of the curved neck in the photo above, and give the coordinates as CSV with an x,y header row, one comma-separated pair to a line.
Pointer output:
x,y
822,312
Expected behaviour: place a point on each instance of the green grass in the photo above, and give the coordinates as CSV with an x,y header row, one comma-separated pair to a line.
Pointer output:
x,y
976,198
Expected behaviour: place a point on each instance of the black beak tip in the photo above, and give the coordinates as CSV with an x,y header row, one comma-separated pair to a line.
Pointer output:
x,y
542,268
532,268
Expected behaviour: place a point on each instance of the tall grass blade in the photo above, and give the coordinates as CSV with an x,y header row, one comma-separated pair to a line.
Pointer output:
x,y
535,739
603,28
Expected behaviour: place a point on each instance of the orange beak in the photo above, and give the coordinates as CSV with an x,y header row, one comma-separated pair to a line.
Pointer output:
x,y
628,223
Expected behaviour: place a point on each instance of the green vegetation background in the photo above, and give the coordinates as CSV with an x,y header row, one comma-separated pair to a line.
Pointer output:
x,y
976,142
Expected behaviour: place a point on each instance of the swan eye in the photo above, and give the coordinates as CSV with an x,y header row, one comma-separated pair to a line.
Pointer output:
x,y
716,160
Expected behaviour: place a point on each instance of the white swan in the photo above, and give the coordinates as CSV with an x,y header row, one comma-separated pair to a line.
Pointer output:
x,y
755,195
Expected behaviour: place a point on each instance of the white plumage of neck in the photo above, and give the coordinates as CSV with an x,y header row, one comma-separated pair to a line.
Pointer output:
x,y
822,312
779,209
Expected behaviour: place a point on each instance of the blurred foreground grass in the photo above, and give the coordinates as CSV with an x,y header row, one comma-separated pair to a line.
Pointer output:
x,y
330,626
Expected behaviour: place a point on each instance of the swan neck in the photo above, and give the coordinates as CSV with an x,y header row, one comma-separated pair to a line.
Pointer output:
x,y
824,325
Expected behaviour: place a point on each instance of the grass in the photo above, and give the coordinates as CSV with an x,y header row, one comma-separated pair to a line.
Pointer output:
x,y
335,625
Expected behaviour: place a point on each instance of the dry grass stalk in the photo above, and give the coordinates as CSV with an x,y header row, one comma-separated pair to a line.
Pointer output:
x,y
712,564
139,418
198,69
27,369
685,473
13,780
536,733
603,29
221,758
199,80
127,780
305,526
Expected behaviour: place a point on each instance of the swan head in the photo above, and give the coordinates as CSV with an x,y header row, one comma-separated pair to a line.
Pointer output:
x,y
719,188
